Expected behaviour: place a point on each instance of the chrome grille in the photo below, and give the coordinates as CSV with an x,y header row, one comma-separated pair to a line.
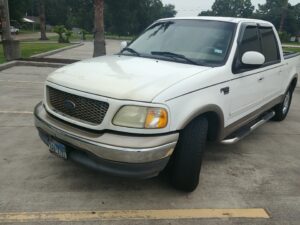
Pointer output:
x,y
76,107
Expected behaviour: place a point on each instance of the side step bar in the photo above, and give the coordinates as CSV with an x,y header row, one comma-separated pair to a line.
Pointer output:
x,y
249,130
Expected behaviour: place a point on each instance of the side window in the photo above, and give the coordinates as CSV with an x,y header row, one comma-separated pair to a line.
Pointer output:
x,y
250,41
269,44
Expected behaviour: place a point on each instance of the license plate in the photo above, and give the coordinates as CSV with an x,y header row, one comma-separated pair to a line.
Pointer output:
x,y
57,148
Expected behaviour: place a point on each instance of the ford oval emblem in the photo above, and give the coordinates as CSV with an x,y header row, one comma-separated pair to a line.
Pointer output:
x,y
69,105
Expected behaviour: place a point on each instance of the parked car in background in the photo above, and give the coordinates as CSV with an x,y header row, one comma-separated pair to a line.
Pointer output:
x,y
14,30
183,82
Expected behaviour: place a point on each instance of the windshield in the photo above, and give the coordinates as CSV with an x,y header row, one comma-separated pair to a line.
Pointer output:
x,y
189,41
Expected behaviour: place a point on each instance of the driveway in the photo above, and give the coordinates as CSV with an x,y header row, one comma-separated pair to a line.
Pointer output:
x,y
261,171
86,50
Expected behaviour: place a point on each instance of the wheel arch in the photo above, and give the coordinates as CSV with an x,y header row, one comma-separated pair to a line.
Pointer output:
x,y
294,81
215,117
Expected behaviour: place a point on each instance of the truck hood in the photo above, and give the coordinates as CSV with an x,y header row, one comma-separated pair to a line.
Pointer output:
x,y
123,77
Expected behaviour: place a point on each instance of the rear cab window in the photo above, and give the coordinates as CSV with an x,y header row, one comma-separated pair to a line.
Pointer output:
x,y
270,47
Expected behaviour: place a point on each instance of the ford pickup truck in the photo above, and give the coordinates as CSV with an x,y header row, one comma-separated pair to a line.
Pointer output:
x,y
155,104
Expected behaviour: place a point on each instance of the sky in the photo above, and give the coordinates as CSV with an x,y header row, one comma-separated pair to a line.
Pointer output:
x,y
194,7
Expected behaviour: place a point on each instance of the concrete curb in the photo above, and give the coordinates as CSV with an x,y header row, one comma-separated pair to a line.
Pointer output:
x,y
8,65
42,55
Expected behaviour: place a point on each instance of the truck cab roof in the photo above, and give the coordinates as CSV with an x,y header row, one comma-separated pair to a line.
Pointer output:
x,y
222,19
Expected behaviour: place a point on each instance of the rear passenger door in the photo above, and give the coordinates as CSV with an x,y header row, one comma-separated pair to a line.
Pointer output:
x,y
272,76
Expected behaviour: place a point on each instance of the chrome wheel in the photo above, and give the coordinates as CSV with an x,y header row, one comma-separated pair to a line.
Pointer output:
x,y
286,103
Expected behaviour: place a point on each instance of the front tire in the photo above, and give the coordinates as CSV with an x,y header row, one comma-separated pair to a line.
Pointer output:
x,y
282,109
187,159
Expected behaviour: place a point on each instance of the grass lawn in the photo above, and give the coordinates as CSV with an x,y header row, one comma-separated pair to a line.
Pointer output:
x,y
77,38
90,37
291,49
29,49
291,43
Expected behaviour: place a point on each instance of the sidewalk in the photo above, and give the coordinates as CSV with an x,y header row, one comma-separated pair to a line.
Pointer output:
x,y
291,46
86,51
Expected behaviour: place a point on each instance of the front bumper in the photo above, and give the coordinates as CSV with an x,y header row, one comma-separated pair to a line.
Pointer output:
x,y
124,155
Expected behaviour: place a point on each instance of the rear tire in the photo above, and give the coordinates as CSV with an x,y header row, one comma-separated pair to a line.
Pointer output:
x,y
187,158
282,109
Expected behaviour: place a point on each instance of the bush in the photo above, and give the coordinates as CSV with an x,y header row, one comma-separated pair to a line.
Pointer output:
x,y
284,36
83,34
68,34
63,34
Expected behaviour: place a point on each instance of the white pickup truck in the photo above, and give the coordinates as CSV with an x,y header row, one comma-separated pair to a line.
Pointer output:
x,y
154,105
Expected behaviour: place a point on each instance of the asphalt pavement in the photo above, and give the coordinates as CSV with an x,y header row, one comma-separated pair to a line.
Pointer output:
x,y
260,172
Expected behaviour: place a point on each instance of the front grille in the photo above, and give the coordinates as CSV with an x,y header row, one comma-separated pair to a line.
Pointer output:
x,y
79,108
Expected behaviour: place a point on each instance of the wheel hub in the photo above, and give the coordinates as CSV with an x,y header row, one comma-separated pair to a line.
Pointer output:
x,y
286,103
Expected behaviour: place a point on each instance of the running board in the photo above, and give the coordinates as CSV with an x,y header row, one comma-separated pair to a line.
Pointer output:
x,y
249,130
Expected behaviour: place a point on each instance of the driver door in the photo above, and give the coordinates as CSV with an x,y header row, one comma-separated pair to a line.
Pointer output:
x,y
247,85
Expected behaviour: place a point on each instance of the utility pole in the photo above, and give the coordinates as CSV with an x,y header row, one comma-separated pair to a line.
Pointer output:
x,y
11,47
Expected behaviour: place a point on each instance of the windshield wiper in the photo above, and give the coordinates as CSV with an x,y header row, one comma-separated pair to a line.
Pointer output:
x,y
131,50
174,55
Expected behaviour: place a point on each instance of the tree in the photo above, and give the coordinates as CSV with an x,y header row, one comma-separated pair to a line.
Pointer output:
x,y
80,14
60,30
168,11
130,17
17,8
11,48
5,20
283,15
42,20
284,12
99,41
126,17
230,8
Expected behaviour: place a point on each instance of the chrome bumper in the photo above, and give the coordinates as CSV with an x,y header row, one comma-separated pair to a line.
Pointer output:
x,y
108,146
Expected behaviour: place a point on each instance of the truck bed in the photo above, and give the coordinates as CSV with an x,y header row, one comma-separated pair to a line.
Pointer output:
x,y
288,55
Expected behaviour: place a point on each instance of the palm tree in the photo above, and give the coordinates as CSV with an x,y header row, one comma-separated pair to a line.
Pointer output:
x,y
283,14
5,20
11,48
99,41
42,19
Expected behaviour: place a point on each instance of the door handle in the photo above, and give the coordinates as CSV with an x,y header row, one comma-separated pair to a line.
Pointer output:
x,y
261,79
225,90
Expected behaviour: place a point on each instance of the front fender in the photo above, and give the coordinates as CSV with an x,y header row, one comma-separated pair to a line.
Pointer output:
x,y
201,111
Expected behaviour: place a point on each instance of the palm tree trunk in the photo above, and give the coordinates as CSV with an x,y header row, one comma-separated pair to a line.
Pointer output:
x,y
99,41
283,15
5,20
11,48
42,20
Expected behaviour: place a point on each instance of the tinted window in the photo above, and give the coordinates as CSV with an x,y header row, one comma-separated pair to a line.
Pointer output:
x,y
269,44
250,41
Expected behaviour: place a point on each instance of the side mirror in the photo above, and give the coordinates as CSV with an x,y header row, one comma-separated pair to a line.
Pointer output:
x,y
253,58
123,44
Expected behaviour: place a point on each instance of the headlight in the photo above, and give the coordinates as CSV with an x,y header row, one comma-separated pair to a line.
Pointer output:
x,y
141,117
